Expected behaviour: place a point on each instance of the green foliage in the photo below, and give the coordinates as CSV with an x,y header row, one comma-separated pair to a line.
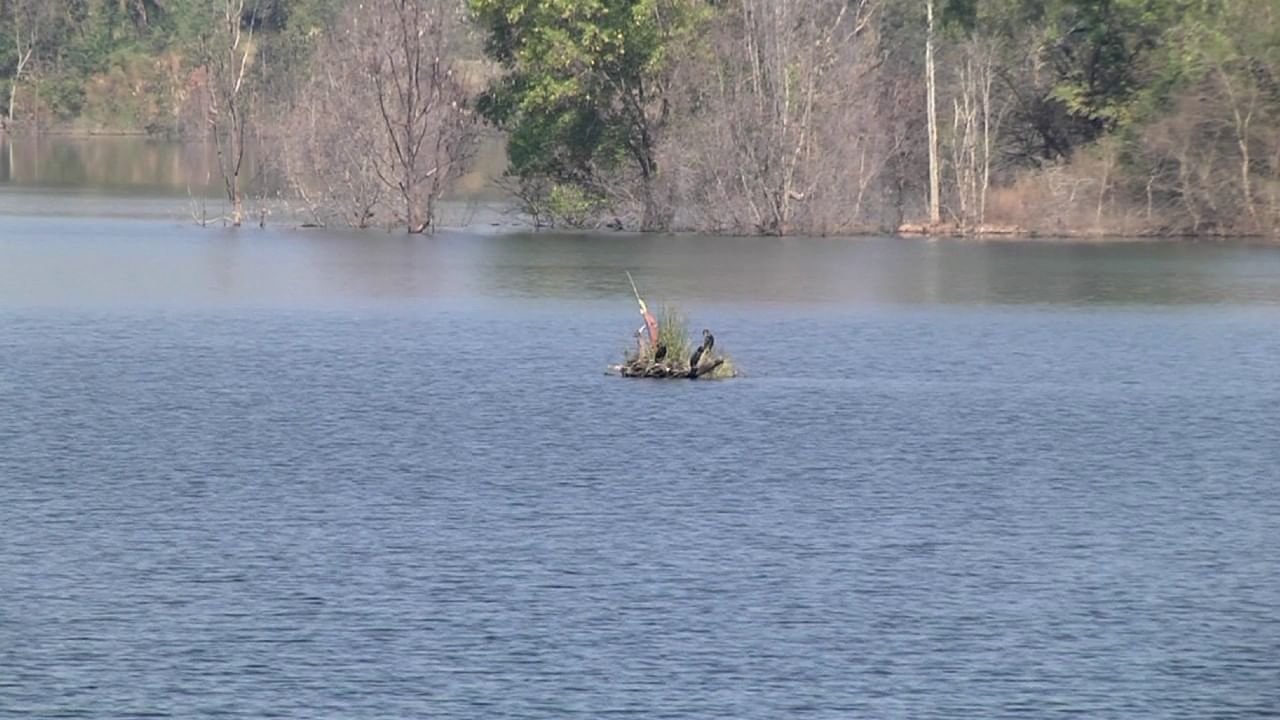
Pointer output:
x,y
120,63
572,205
587,91
1100,51
673,331
1099,61
582,93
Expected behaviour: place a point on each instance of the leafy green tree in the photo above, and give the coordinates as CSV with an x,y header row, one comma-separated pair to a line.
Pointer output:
x,y
1218,85
585,88
1078,68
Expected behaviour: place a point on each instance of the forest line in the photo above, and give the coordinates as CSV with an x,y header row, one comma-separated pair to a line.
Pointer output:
x,y
1100,117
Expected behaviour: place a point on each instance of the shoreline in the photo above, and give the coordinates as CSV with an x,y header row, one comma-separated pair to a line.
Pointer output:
x,y
75,133
1014,233
508,226
989,232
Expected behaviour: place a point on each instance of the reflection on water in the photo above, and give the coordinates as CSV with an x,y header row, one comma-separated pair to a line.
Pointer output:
x,y
144,169
74,261
116,164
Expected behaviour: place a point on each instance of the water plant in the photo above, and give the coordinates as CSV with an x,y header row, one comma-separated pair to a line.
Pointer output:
x,y
673,331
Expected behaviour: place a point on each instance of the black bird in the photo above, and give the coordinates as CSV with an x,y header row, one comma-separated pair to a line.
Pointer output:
x,y
708,341
660,353
697,355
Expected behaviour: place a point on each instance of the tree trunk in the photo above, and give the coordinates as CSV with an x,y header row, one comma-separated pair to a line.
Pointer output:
x,y
1242,121
985,64
935,207
227,60
653,214
414,224
23,59
649,221
1108,159
1245,185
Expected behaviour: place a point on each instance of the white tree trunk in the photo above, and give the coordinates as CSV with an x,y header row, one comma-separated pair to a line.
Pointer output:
x,y
227,60
23,59
935,207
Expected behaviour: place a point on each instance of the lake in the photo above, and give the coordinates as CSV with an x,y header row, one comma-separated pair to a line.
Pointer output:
x,y
288,473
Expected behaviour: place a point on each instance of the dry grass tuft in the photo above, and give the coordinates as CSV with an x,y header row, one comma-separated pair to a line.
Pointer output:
x,y
673,331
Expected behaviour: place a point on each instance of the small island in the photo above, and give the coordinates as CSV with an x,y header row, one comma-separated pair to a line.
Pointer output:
x,y
663,350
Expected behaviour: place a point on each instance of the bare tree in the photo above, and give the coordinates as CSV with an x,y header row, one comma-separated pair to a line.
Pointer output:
x,y
429,131
25,17
1243,100
330,141
383,127
780,139
228,49
977,115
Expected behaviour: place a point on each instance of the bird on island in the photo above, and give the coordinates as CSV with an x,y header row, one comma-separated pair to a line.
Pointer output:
x,y
697,355
660,353
704,350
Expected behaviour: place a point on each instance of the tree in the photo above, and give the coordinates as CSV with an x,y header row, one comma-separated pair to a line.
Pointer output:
x,y
935,172
228,49
776,131
25,18
584,95
1212,137
384,126
330,141
421,101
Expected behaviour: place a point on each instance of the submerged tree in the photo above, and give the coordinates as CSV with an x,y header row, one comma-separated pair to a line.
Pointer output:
x,y
384,126
584,96
778,134
331,139
430,133
228,49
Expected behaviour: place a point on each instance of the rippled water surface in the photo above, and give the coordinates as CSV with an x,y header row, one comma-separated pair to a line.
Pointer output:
x,y
293,474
